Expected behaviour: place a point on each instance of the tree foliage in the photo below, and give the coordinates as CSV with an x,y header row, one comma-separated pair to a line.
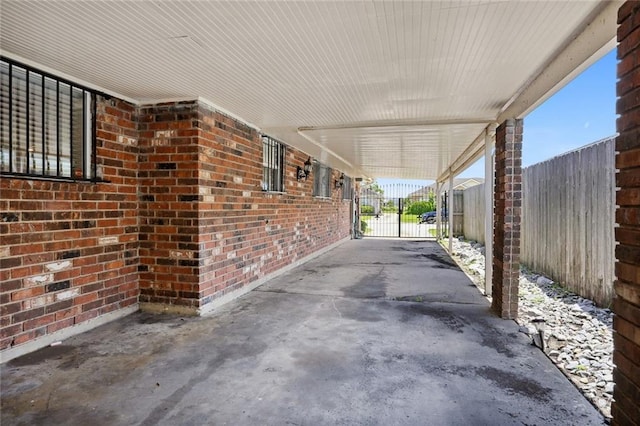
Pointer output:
x,y
422,206
373,186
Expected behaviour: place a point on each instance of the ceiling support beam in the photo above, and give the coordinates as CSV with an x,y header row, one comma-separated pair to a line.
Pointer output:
x,y
398,123
470,155
323,148
596,39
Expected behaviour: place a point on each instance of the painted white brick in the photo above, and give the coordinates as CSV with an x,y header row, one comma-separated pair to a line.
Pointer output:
x,y
165,133
160,142
38,280
58,266
4,251
181,254
38,301
127,140
108,240
64,295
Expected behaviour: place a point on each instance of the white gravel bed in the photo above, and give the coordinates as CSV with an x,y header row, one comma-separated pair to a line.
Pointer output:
x,y
578,335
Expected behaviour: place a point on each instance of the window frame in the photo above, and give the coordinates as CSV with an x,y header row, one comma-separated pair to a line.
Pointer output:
x,y
322,180
347,188
273,164
75,148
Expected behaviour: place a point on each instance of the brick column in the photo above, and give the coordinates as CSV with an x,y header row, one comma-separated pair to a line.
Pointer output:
x,y
506,221
169,199
626,305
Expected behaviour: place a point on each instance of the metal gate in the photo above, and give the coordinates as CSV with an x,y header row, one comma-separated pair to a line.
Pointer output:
x,y
398,210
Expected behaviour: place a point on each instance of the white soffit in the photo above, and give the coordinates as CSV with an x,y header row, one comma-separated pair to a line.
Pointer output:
x,y
376,88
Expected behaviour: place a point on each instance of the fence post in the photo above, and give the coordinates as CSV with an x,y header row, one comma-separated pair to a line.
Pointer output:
x,y
488,218
450,212
438,211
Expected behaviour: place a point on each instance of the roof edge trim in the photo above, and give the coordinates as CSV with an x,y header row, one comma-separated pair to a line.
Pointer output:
x,y
596,38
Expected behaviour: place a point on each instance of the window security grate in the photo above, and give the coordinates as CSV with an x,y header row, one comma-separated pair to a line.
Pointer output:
x,y
273,155
46,125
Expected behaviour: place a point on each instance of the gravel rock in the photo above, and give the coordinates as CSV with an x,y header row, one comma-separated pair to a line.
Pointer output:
x,y
572,365
543,280
578,335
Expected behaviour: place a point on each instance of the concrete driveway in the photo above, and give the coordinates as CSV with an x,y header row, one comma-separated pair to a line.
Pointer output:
x,y
375,332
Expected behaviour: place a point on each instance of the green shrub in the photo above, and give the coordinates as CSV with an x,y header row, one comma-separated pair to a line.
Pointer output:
x,y
420,207
363,226
366,210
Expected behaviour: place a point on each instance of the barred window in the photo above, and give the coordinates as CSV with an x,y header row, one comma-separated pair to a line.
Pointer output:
x,y
46,125
347,189
273,155
321,180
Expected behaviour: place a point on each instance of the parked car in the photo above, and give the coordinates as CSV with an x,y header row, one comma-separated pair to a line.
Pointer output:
x,y
430,217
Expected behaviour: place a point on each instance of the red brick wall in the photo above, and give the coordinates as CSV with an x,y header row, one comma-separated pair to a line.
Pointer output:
x,y
180,221
246,233
207,228
70,250
626,306
508,210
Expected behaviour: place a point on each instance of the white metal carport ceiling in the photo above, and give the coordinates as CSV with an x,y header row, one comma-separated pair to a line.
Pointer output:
x,y
375,88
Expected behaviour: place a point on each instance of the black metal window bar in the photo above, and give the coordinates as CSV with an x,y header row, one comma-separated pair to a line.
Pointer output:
x,y
47,125
273,155
321,180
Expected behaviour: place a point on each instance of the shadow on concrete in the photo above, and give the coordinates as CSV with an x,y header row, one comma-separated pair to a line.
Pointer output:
x,y
375,332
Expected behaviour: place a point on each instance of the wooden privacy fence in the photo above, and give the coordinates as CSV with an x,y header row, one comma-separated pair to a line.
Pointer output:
x,y
568,207
474,213
568,216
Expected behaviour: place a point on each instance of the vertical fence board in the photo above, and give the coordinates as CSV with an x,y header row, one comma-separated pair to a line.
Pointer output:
x,y
458,212
474,213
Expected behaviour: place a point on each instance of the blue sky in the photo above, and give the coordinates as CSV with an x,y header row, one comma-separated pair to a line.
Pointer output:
x,y
580,113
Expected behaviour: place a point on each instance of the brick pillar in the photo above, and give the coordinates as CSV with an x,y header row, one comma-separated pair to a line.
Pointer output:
x,y
169,198
626,304
508,205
